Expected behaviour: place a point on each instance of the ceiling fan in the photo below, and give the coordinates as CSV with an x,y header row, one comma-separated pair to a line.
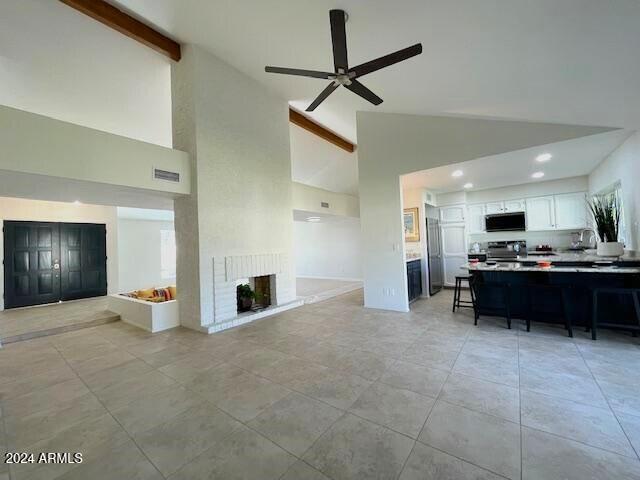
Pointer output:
x,y
344,75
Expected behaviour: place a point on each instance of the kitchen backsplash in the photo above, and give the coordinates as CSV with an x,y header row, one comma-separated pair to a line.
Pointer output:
x,y
555,239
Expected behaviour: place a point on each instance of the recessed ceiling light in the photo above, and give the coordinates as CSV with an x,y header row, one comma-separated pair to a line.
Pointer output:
x,y
313,219
468,185
544,157
537,175
457,173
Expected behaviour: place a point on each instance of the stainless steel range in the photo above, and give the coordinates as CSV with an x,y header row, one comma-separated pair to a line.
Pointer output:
x,y
506,250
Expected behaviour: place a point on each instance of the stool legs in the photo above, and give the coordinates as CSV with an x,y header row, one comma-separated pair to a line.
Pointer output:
x,y
594,315
565,313
456,293
506,306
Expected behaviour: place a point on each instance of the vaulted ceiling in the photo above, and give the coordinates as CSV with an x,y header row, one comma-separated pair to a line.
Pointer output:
x,y
573,61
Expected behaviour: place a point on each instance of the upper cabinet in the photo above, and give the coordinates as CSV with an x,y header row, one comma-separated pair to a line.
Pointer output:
x,y
515,206
566,211
540,213
508,206
453,214
571,210
494,207
475,217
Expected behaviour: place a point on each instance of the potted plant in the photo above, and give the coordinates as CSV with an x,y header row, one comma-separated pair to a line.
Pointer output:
x,y
245,297
606,214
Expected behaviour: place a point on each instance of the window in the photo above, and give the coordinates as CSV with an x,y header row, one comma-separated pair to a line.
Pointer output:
x,y
616,190
167,254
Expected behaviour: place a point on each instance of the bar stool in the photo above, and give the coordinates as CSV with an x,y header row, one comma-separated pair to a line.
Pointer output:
x,y
553,290
635,296
503,309
457,302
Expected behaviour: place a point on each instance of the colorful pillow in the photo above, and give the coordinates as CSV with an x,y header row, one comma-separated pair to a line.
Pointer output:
x,y
147,293
173,291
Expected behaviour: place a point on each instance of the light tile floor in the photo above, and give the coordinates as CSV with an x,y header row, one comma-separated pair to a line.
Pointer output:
x,y
25,323
327,391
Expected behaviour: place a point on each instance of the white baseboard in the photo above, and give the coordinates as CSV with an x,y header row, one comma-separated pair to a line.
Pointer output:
x,y
344,279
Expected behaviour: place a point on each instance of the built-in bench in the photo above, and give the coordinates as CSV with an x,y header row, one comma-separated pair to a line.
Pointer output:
x,y
150,316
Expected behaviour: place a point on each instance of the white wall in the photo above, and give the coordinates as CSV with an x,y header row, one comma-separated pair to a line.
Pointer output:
x,y
58,62
537,189
328,249
390,145
316,162
38,145
309,199
139,255
237,133
38,211
623,166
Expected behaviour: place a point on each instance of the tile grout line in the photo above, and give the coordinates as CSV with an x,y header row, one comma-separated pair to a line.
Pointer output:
x,y
520,409
109,412
606,398
467,335
436,399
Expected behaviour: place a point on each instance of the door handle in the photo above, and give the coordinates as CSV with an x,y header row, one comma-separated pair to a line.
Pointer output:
x,y
56,266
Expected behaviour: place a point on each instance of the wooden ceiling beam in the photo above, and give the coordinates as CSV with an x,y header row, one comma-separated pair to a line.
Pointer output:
x,y
305,122
124,23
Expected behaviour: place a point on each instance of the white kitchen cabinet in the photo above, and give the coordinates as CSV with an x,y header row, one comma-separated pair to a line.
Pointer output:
x,y
475,218
453,214
541,213
452,267
494,207
454,251
511,206
570,210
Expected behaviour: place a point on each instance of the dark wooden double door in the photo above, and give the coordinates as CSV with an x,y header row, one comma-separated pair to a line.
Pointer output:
x,y
45,262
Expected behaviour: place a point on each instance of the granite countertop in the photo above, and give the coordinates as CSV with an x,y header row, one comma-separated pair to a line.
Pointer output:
x,y
579,257
518,267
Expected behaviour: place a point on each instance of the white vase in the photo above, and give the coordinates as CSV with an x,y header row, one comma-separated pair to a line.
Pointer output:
x,y
610,249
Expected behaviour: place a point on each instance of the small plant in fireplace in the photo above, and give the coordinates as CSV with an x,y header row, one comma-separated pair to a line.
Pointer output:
x,y
245,297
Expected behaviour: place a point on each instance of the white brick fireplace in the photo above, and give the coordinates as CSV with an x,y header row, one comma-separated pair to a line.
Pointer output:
x,y
229,269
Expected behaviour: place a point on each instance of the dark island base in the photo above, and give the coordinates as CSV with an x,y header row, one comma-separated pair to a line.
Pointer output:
x,y
545,304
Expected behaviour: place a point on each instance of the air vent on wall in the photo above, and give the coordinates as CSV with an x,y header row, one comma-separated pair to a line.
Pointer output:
x,y
324,204
166,175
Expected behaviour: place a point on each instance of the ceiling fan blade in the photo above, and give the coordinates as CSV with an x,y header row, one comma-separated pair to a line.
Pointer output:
x,y
322,97
297,71
339,39
387,60
359,89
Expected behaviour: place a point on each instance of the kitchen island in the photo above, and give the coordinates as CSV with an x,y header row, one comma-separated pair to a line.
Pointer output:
x,y
536,291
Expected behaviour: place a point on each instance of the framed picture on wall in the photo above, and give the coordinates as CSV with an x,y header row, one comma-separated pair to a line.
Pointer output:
x,y
411,225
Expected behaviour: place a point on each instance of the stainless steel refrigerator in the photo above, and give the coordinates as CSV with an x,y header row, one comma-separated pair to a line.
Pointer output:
x,y
434,251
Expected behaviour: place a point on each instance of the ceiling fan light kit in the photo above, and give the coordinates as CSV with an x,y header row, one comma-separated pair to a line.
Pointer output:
x,y
342,74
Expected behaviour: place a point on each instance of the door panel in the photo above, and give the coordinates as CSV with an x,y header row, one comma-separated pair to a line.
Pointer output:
x,y
571,210
48,262
31,252
83,260
540,213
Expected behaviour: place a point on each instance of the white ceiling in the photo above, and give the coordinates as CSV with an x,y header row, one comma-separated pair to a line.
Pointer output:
x,y
574,61
318,163
570,159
